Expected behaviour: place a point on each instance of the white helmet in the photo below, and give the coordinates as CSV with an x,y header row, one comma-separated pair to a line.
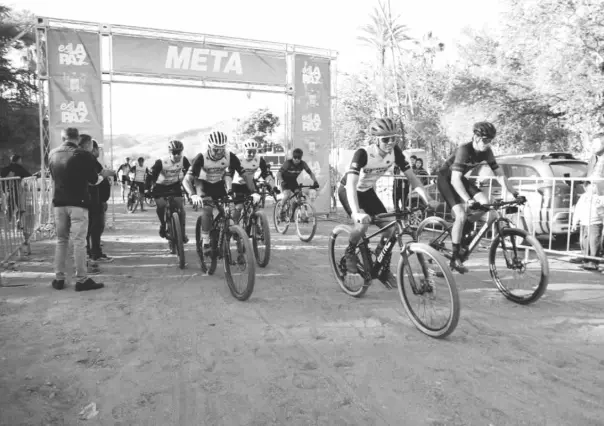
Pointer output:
x,y
250,144
217,140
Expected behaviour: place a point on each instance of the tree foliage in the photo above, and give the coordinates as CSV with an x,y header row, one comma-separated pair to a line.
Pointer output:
x,y
19,126
259,123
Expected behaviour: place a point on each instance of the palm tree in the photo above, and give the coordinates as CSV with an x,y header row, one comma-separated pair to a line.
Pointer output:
x,y
383,33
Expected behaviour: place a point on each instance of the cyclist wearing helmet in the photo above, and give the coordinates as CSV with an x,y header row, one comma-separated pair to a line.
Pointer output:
x,y
124,170
459,193
140,178
357,189
167,174
210,177
288,176
250,162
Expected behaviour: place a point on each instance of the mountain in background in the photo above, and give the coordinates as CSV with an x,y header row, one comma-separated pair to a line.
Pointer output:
x,y
152,147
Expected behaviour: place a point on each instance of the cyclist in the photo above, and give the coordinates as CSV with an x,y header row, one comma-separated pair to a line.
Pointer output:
x,y
124,169
357,189
288,176
459,193
250,162
210,178
167,174
140,178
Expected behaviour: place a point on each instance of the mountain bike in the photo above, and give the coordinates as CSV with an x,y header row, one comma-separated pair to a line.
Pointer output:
x,y
255,224
174,230
299,211
519,249
223,233
134,200
418,283
149,199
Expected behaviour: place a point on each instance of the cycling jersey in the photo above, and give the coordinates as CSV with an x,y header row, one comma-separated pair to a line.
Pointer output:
x,y
140,173
165,172
250,167
290,170
213,171
466,158
370,165
124,168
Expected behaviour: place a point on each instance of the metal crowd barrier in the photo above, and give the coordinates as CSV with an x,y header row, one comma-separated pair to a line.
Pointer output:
x,y
26,215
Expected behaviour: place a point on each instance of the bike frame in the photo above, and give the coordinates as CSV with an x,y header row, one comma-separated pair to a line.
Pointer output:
x,y
498,220
169,210
402,229
221,221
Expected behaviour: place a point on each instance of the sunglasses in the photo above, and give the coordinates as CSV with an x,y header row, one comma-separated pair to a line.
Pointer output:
x,y
176,152
297,157
251,151
388,139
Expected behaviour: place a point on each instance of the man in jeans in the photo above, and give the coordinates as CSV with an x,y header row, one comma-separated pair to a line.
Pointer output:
x,y
72,169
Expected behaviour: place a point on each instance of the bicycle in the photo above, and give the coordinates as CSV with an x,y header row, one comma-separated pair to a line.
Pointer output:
x,y
174,230
300,211
440,239
134,199
415,272
149,199
255,224
223,231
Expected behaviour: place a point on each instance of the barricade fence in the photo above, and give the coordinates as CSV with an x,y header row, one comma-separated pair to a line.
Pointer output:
x,y
548,214
26,215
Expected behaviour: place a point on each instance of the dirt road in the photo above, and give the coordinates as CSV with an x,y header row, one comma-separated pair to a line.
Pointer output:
x,y
161,346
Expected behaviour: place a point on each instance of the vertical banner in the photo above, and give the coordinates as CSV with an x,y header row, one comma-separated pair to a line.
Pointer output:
x,y
75,86
312,121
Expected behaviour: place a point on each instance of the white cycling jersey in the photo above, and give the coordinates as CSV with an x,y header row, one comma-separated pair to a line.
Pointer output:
x,y
370,165
170,173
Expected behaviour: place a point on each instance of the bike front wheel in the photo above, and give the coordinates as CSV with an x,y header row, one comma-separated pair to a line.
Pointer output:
x,y
519,254
239,263
352,284
427,290
150,201
280,225
261,238
178,242
306,222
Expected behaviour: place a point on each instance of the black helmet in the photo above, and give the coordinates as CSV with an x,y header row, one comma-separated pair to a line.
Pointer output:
x,y
484,129
140,159
383,127
175,146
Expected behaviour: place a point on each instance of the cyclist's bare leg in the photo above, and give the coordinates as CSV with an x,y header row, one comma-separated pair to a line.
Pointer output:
x,y
206,223
161,203
459,211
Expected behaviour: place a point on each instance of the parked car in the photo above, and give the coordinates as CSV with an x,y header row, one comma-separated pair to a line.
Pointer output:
x,y
549,204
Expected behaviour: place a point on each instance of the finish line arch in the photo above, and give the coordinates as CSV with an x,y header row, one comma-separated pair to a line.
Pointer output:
x,y
77,60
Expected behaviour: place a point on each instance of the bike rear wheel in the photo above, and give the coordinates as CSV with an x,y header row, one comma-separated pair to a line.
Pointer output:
x,y
306,222
524,257
178,242
239,264
420,286
435,232
207,264
261,238
280,226
150,201
352,284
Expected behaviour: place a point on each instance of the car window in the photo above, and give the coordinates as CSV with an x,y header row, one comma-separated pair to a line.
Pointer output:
x,y
521,174
569,169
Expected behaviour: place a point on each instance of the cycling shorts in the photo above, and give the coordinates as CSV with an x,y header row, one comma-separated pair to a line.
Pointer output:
x,y
445,187
125,178
213,190
369,201
292,185
160,191
139,185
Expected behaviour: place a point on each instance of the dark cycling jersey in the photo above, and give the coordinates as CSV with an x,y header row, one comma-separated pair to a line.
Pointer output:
x,y
466,158
370,165
290,170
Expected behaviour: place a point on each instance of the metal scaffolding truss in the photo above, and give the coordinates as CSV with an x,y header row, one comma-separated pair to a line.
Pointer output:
x,y
109,76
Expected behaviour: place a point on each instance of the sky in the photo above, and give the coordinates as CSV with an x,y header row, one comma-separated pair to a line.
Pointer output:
x,y
329,24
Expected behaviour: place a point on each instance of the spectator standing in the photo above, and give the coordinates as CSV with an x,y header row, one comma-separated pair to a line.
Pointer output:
x,y
420,171
72,170
595,166
589,213
14,169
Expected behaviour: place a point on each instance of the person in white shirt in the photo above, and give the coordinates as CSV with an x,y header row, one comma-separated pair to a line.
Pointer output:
x,y
589,213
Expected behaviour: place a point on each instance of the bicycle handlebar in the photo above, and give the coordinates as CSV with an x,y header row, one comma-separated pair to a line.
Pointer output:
x,y
498,205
